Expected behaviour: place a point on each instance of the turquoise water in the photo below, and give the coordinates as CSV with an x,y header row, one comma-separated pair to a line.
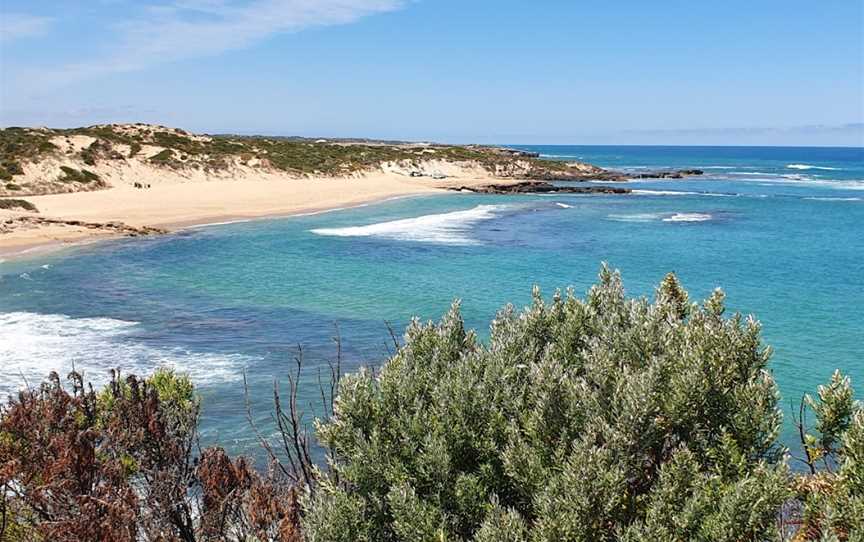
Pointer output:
x,y
780,229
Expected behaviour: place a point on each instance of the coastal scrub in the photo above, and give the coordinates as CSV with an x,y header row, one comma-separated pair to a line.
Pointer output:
x,y
606,418
595,419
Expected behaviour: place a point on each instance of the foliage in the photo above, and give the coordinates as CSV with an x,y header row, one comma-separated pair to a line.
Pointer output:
x,y
134,148
240,504
596,419
120,465
99,149
165,156
11,203
62,485
24,143
833,498
297,156
599,419
89,154
19,144
9,168
83,176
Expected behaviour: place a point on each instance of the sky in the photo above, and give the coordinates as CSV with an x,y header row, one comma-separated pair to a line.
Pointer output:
x,y
770,72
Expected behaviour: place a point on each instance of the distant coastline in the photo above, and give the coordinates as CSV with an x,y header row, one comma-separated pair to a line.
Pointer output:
x,y
67,186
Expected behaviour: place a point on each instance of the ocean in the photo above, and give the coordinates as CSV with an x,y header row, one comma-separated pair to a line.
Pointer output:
x,y
781,230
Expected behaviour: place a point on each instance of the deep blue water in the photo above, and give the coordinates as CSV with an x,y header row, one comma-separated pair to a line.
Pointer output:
x,y
780,229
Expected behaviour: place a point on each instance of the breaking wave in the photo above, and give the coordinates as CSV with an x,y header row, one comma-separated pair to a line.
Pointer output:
x,y
799,179
32,345
573,156
688,217
444,229
832,199
682,193
638,217
808,166
662,217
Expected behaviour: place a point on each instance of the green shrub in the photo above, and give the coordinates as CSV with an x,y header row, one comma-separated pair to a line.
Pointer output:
x,y
163,157
13,187
88,156
179,142
581,420
72,175
599,419
176,394
8,168
10,203
23,143
833,496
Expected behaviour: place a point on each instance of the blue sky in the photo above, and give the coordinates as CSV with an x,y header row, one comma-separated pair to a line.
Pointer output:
x,y
505,71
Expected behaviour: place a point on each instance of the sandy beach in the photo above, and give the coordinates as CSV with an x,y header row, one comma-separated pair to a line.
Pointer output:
x,y
172,204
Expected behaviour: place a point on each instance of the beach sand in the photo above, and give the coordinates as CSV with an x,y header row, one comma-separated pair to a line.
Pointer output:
x,y
174,205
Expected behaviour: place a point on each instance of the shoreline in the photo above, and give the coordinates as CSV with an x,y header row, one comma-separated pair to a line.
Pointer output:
x,y
181,206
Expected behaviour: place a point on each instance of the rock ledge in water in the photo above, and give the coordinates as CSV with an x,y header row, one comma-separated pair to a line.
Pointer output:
x,y
541,187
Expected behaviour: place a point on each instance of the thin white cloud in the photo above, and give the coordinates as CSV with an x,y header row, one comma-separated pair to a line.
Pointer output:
x,y
184,29
14,26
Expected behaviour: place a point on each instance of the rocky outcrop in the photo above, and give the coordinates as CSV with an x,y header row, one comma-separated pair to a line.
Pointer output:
x,y
578,171
672,174
516,153
117,228
541,187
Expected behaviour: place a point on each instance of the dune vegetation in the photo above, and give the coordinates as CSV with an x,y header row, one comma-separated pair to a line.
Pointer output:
x,y
30,157
17,204
595,419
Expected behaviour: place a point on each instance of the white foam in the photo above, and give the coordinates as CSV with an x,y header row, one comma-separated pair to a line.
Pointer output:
x,y
223,223
639,217
664,193
664,217
688,217
445,229
560,156
681,193
797,179
833,199
808,166
563,205
32,345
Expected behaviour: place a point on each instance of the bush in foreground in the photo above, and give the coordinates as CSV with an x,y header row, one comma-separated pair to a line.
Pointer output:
x,y
602,419
833,492
123,465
